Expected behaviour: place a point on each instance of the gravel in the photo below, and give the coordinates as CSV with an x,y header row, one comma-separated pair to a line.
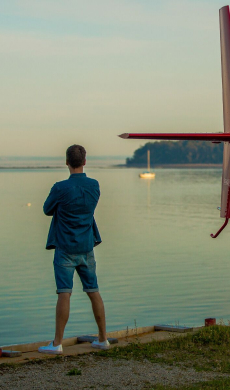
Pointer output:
x,y
96,373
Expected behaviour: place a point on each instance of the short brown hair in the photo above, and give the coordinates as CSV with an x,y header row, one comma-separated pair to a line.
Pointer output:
x,y
75,156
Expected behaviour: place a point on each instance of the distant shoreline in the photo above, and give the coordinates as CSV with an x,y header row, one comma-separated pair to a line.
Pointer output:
x,y
42,167
161,166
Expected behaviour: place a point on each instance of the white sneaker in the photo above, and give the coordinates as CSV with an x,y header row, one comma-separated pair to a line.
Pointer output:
x,y
51,349
100,344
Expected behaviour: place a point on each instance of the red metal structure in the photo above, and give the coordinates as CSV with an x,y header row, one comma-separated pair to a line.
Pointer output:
x,y
214,137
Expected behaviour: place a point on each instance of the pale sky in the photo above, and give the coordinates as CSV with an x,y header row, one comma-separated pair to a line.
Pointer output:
x,y
85,71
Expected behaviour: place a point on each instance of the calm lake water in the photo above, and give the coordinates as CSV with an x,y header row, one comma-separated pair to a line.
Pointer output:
x,y
157,262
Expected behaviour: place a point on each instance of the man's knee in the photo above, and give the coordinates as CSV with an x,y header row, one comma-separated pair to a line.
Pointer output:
x,y
64,295
93,295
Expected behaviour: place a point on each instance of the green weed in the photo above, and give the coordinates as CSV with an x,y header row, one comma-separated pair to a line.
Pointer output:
x,y
74,371
217,384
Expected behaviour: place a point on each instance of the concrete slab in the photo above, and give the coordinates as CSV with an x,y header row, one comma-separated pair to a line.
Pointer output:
x,y
90,339
11,354
173,328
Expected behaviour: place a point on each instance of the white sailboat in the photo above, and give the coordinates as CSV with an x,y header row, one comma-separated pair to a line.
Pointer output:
x,y
147,174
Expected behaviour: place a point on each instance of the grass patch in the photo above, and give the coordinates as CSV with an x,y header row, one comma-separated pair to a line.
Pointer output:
x,y
74,371
217,384
206,350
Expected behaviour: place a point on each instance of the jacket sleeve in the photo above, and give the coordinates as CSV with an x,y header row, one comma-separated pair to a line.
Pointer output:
x,y
51,202
97,191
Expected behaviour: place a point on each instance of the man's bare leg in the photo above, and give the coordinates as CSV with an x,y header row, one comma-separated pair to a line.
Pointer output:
x,y
62,316
99,314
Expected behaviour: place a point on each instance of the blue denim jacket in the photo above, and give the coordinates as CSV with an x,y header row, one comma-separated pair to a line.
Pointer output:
x,y
72,203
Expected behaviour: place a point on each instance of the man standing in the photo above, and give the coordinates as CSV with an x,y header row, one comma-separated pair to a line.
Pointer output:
x,y
73,234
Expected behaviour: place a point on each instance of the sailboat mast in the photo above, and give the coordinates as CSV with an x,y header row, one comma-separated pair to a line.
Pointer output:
x,y
148,160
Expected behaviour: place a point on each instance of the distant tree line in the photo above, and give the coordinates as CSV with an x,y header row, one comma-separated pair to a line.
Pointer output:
x,y
177,152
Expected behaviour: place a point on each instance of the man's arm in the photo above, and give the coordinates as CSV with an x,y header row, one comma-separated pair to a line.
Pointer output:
x,y
51,202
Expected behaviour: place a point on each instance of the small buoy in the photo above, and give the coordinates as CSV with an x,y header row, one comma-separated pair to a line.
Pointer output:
x,y
28,204
210,321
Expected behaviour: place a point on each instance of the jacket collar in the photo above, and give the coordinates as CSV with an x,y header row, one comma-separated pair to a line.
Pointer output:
x,y
77,175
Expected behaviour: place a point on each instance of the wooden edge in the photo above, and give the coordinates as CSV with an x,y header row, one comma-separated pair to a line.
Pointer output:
x,y
73,340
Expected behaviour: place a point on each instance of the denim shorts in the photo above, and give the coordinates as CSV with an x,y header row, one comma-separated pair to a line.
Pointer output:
x,y
64,266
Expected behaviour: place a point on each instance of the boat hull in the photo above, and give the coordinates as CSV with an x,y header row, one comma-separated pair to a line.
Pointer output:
x,y
147,175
